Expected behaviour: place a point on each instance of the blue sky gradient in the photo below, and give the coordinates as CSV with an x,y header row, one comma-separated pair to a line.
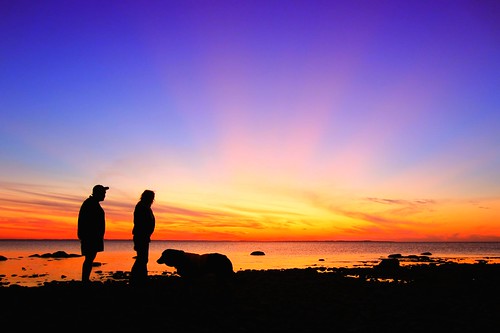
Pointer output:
x,y
306,109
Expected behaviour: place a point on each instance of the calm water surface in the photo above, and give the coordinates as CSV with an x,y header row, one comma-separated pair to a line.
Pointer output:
x,y
24,270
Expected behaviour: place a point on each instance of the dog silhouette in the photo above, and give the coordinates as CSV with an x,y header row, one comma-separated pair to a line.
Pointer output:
x,y
193,265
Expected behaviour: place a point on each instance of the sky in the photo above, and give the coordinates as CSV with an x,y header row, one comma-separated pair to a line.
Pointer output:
x,y
253,120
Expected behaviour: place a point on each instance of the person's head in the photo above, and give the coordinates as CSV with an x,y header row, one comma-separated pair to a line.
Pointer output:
x,y
99,192
148,197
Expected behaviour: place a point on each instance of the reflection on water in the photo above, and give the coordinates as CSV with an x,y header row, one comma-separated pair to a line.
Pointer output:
x,y
24,270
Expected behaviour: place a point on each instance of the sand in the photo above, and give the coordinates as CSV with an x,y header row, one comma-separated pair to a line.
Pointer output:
x,y
417,298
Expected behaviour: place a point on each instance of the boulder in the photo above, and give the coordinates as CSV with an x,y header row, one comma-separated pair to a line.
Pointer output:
x,y
388,264
57,255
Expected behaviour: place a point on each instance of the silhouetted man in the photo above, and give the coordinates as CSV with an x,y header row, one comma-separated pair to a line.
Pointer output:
x,y
91,228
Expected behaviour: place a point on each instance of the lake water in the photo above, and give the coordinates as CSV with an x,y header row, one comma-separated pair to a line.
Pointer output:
x,y
118,255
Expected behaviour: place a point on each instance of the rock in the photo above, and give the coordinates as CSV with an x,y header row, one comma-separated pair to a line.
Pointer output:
x,y
257,253
2,258
57,254
388,264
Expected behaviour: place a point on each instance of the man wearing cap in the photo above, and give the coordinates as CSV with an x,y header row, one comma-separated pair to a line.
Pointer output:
x,y
91,228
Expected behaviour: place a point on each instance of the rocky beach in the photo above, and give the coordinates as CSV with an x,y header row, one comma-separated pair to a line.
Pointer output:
x,y
386,298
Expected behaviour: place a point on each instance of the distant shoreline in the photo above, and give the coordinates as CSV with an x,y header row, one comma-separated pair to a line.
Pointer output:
x,y
252,241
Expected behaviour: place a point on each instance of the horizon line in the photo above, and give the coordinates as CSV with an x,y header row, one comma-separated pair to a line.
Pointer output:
x,y
263,241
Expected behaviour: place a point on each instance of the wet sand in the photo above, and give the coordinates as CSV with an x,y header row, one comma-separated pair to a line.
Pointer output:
x,y
415,298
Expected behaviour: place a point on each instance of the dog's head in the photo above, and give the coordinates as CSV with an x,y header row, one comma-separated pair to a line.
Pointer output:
x,y
171,257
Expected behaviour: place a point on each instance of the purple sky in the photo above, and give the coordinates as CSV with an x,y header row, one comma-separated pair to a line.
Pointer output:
x,y
303,107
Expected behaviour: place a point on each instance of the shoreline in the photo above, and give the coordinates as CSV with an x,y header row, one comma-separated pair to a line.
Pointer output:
x,y
387,270
36,273
452,296
36,263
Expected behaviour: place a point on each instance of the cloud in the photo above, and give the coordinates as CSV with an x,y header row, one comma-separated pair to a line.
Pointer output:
x,y
400,201
404,207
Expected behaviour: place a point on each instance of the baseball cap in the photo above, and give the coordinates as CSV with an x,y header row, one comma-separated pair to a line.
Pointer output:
x,y
100,189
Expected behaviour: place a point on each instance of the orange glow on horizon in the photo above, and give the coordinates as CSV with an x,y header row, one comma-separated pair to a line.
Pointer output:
x,y
364,219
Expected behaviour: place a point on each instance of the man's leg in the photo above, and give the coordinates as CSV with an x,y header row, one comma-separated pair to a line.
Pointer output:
x,y
87,266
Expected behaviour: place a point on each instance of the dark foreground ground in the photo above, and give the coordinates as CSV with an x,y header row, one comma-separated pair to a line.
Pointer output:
x,y
423,298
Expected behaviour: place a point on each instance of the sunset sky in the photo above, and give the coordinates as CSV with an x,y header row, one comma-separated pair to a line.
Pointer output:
x,y
253,120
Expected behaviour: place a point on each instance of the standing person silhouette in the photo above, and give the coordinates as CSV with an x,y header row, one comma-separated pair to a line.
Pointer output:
x,y
144,226
91,228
